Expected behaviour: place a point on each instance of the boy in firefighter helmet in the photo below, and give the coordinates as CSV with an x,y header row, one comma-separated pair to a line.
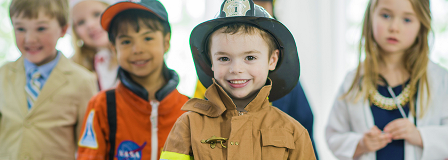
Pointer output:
x,y
246,59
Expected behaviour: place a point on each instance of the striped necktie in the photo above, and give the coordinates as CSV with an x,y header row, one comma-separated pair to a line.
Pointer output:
x,y
32,88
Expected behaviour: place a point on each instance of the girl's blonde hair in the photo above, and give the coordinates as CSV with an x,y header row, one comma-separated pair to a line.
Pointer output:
x,y
85,55
415,58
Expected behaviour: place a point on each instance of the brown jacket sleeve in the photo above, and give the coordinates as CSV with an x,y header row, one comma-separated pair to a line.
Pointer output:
x,y
178,143
304,148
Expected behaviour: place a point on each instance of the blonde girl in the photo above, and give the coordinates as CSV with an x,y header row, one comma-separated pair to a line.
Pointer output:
x,y
394,105
91,42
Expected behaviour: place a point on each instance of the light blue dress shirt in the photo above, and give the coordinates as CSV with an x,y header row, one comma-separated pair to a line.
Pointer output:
x,y
44,70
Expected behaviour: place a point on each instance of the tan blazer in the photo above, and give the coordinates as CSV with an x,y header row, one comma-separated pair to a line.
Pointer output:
x,y
49,130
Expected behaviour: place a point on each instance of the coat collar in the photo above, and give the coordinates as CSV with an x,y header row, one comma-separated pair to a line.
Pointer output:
x,y
170,76
219,101
63,65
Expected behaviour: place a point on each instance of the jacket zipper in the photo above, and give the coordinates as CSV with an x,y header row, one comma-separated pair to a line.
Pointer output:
x,y
154,137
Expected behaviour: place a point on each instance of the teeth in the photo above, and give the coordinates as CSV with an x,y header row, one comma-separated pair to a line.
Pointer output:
x,y
140,62
238,82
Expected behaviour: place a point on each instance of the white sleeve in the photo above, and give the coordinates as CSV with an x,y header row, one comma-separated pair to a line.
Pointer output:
x,y
340,137
435,138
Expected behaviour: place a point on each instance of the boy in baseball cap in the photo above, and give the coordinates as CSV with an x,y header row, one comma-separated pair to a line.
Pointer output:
x,y
246,59
134,120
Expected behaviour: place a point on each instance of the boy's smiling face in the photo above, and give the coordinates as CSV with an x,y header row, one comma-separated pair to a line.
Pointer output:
x,y
141,53
241,62
37,38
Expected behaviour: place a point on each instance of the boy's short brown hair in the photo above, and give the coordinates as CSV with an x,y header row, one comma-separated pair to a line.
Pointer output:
x,y
30,9
243,28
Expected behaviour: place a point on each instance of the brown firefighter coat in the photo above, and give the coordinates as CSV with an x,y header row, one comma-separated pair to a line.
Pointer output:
x,y
262,133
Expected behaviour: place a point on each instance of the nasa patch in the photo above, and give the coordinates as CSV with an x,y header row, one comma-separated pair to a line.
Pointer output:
x,y
128,150
88,138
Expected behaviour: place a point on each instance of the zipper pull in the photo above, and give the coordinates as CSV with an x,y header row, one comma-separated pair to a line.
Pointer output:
x,y
154,130
154,112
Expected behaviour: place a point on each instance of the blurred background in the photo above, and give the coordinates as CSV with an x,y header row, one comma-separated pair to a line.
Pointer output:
x,y
327,34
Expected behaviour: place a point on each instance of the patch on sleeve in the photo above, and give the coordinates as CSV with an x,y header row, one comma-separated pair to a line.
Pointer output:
x,y
88,138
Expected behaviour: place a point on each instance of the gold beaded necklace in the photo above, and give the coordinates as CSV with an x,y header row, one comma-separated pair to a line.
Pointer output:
x,y
388,103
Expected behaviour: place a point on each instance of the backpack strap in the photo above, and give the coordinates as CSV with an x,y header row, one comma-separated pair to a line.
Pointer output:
x,y
112,120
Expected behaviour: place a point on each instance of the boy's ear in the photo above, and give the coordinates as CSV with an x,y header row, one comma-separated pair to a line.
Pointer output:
x,y
64,30
273,60
211,61
166,43
113,49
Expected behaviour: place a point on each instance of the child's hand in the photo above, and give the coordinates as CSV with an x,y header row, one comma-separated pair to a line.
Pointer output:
x,y
404,129
375,140
372,141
